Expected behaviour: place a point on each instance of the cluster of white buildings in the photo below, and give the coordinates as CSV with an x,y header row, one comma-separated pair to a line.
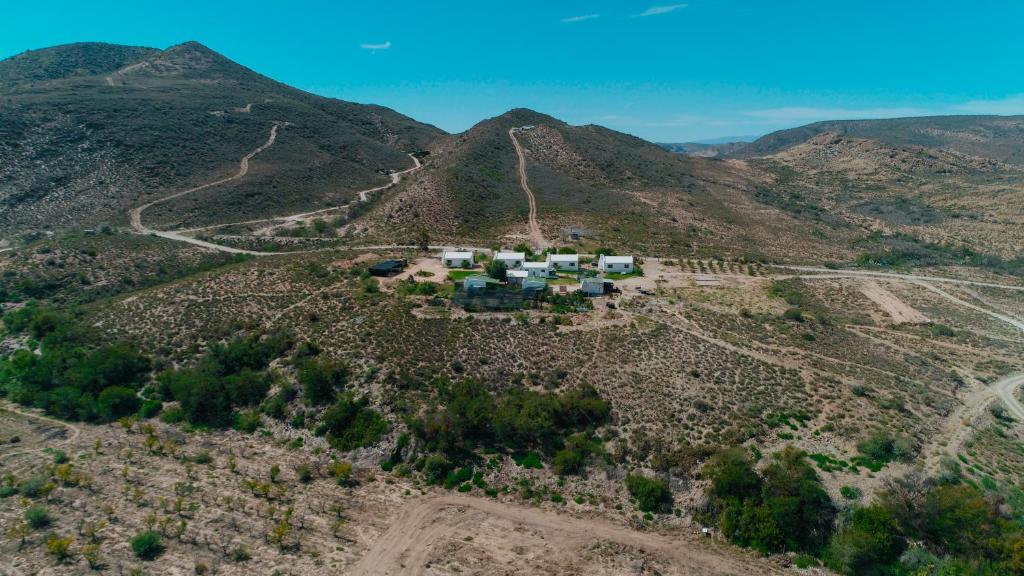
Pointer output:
x,y
520,269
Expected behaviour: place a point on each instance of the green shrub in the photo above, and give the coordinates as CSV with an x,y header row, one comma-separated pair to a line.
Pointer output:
x,y
147,545
321,380
37,517
350,424
247,421
651,494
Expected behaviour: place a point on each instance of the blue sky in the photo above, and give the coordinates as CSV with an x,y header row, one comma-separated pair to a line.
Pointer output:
x,y
663,70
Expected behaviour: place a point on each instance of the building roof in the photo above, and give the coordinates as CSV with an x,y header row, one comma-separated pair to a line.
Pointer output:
x,y
598,281
517,274
510,256
479,278
538,265
563,257
457,255
388,265
617,259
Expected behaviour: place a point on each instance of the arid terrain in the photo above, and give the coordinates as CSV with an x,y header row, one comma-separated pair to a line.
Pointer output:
x,y
200,375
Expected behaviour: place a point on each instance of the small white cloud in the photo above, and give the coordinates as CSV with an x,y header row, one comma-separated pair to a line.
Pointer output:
x,y
658,10
375,47
572,19
1004,106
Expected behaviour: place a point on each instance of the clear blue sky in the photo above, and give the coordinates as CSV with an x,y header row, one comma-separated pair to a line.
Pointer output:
x,y
663,70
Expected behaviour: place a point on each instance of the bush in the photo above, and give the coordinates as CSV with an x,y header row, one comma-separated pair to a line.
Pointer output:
x,y
868,545
651,494
350,424
248,421
435,469
37,517
784,509
147,545
117,401
321,380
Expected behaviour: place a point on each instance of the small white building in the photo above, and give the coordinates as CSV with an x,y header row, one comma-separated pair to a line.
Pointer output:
x,y
512,260
615,264
537,269
457,258
567,262
517,277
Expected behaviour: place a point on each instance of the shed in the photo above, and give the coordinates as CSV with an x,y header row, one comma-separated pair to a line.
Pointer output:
x,y
615,264
596,286
512,260
387,267
457,258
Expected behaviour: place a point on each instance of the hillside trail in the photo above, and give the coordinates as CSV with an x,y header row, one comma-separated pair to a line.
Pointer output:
x,y
536,236
135,214
9,407
406,546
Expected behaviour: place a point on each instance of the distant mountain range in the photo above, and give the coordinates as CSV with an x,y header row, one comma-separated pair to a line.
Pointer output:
x,y
706,149
89,130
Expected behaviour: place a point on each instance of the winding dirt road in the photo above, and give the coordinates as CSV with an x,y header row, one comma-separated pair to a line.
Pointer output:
x,y
135,215
536,236
406,546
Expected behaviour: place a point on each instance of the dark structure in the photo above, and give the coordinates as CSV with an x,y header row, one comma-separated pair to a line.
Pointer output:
x,y
387,267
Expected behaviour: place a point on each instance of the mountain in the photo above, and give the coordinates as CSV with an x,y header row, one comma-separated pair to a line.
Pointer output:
x,y
997,137
89,130
705,149
621,190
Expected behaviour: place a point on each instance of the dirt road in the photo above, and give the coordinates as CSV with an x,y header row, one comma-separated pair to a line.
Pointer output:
x,y
423,527
13,408
833,272
536,236
135,214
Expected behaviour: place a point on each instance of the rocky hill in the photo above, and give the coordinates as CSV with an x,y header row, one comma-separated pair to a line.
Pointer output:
x,y
89,130
618,189
996,137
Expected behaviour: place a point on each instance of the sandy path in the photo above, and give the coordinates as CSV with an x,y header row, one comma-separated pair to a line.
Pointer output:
x,y
420,528
536,236
899,311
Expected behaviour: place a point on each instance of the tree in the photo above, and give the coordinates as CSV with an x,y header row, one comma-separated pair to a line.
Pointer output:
x,y
498,270
868,545
423,240
350,424
321,380
732,475
117,401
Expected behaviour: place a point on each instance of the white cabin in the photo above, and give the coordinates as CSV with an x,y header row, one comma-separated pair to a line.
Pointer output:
x,y
615,264
457,258
567,262
537,269
512,260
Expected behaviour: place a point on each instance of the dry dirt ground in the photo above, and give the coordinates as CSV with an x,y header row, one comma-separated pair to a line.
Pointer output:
x,y
123,481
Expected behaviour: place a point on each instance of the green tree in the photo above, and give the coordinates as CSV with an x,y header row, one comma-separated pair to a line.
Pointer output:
x,y
868,545
117,401
498,270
